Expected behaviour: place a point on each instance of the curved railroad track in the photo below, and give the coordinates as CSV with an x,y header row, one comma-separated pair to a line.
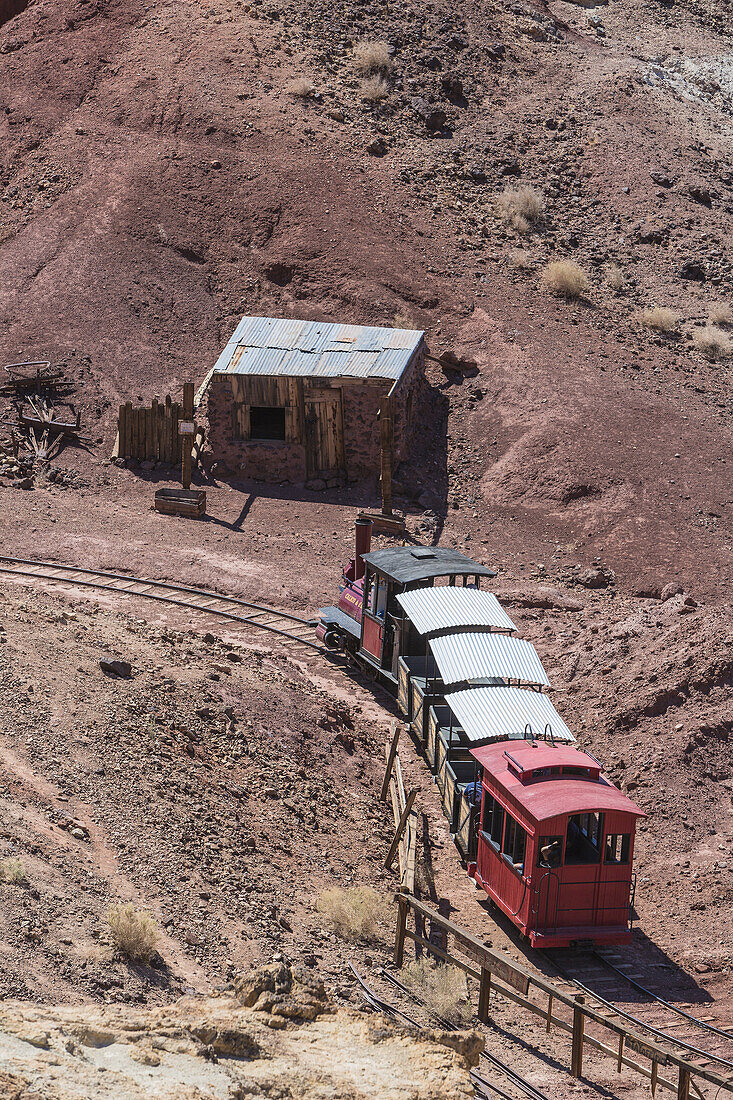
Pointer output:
x,y
293,628
652,1014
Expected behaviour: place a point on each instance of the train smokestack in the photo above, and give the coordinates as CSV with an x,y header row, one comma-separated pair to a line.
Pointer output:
x,y
363,528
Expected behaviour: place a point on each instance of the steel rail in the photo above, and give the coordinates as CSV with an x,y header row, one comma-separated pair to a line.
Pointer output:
x,y
690,1048
380,1005
156,584
660,1000
516,1079
230,615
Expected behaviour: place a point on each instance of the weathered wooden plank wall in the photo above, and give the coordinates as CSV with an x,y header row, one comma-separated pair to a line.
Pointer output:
x,y
150,434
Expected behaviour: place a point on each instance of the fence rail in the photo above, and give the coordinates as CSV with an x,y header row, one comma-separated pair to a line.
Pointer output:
x,y
499,973
150,433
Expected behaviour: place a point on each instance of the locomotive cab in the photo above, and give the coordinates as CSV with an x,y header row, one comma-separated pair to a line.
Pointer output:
x,y
555,843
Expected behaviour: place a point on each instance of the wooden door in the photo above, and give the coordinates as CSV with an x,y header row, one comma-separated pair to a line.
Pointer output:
x,y
324,432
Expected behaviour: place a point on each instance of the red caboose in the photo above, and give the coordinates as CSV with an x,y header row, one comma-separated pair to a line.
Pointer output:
x,y
555,844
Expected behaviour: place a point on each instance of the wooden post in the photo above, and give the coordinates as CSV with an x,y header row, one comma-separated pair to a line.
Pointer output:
x,y
400,829
399,943
655,1073
550,1000
484,995
385,434
683,1084
186,440
576,1066
390,762
620,1053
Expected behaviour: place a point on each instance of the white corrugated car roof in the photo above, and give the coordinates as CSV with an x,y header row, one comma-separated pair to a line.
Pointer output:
x,y
471,656
496,713
277,346
433,610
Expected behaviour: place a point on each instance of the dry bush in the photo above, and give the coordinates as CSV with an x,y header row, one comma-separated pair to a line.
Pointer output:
x,y
405,320
372,57
374,89
713,342
520,207
615,277
134,932
302,87
11,870
520,259
565,278
658,318
356,914
442,987
720,313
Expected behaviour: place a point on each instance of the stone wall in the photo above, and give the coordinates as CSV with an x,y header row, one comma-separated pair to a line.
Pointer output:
x,y
278,462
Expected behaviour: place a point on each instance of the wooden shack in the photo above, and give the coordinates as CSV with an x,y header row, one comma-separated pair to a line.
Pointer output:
x,y
301,401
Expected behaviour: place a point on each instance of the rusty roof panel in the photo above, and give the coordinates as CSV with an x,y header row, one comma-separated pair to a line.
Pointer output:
x,y
275,346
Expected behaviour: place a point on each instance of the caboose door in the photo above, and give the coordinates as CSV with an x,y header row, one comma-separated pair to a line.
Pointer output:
x,y
324,432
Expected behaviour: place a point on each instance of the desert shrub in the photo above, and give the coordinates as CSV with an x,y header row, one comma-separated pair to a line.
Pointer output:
x,y
11,870
374,88
520,259
615,277
302,87
520,207
442,987
720,313
134,932
658,318
565,278
713,342
371,56
356,914
405,320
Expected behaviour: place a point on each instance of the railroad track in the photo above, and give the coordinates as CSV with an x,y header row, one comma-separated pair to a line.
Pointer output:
x,y
485,1088
670,1026
294,629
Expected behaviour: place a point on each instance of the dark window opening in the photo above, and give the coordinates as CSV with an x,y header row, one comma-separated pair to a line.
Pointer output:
x,y
572,770
618,846
515,844
585,832
266,423
549,851
493,820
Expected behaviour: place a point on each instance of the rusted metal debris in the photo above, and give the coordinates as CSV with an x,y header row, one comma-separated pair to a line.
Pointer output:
x,y
36,374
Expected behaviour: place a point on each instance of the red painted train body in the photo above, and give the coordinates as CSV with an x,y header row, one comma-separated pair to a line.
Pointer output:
x,y
539,827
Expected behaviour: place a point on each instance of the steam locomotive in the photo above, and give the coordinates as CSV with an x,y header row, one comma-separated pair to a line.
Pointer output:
x,y
536,822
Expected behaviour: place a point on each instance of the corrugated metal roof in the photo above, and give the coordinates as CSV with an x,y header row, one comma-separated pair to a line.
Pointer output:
x,y
433,610
492,713
484,656
279,346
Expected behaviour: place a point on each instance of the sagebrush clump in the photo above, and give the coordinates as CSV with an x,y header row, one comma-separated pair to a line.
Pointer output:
x,y
615,278
134,932
566,279
302,87
720,313
12,871
442,987
521,207
374,89
372,56
713,343
356,913
658,318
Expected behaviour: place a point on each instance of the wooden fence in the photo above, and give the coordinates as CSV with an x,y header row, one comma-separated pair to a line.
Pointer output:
x,y
404,843
150,434
498,973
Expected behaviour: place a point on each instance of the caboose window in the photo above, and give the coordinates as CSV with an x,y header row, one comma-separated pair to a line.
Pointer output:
x,y
618,846
584,835
515,844
549,852
493,820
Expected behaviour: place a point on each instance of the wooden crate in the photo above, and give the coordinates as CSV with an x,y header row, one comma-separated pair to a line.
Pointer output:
x,y
181,502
